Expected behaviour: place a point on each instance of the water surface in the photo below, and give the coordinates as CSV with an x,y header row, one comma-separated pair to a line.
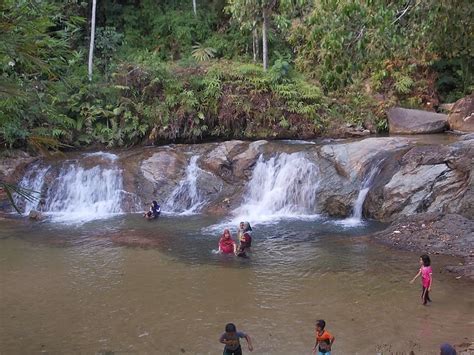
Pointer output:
x,y
125,285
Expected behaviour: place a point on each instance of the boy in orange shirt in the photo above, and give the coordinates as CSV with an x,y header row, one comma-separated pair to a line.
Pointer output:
x,y
324,339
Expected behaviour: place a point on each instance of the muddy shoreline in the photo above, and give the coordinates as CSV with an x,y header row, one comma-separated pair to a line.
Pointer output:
x,y
434,234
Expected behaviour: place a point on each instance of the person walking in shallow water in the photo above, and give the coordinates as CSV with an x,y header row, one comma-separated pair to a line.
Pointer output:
x,y
426,273
324,339
231,340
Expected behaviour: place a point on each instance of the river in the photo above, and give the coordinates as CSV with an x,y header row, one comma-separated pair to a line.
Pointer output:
x,y
124,285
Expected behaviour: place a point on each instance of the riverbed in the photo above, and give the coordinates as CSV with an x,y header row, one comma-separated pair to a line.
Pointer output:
x,y
124,285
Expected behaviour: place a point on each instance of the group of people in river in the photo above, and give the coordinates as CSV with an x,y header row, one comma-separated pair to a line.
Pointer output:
x,y
324,340
227,245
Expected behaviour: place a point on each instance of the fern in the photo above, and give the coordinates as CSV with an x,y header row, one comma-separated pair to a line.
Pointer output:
x,y
403,83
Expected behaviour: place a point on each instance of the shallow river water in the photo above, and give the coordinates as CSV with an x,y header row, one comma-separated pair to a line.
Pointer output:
x,y
126,286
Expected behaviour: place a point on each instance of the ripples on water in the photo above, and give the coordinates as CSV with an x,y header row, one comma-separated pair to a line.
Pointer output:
x,y
133,284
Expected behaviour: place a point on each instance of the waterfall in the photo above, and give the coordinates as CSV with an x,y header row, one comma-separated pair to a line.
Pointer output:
x,y
85,194
366,184
82,190
33,180
283,186
186,198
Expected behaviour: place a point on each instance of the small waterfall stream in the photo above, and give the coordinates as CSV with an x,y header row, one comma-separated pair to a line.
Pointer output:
x,y
281,187
33,180
84,194
186,198
78,193
366,184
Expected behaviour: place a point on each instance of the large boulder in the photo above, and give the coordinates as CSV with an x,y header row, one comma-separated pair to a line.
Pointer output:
x,y
242,163
408,121
219,159
461,117
160,174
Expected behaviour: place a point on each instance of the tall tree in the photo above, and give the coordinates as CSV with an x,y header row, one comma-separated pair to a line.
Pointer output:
x,y
91,46
252,13
194,7
247,13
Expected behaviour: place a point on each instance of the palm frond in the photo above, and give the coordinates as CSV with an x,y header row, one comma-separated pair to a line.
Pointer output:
x,y
10,189
46,145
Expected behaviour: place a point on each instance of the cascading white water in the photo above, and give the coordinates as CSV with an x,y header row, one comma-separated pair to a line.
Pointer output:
x,y
85,194
186,197
79,193
281,187
34,181
367,182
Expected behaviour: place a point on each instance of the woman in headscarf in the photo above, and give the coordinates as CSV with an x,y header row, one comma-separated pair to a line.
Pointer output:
x,y
154,211
245,239
226,243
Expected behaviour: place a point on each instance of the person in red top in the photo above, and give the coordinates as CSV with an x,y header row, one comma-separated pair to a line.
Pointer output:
x,y
226,243
324,339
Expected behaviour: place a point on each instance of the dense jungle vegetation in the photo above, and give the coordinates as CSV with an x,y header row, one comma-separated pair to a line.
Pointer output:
x,y
175,70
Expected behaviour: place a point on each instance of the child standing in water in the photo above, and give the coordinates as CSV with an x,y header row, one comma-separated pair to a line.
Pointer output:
x,y
324,339
231,340
426,273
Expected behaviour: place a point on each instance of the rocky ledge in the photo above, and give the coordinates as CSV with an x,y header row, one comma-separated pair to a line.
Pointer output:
x,y
434,233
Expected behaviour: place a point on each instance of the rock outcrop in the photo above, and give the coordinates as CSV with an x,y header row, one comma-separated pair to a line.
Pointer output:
x,y
243,162
343,167
408,121
411,177
461,117
428,179
219,159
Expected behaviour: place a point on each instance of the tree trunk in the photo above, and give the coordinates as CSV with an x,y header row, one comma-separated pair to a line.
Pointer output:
x,y
254,43
257,41
194,7
91,47
265,39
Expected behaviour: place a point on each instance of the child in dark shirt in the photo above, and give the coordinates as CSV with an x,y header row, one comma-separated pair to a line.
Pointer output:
x,y
231,340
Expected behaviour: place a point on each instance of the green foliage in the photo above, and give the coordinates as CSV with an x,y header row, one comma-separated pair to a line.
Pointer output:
x,y
347,39
34,54
155,79
202,53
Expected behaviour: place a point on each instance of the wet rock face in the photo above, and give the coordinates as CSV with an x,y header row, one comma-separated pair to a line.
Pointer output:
x,y
429,179
412,178
219,159
243,162
408,121
12,165
343,167
461,117
352,159
159,174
